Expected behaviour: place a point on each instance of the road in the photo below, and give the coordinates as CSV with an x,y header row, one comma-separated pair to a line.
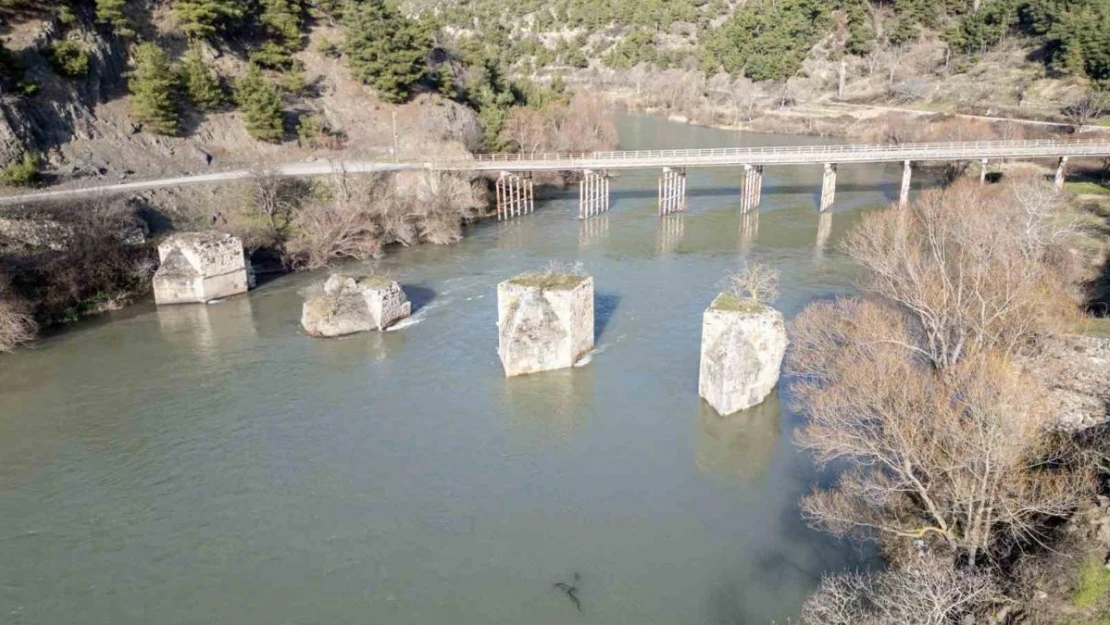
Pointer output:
x,y
633,159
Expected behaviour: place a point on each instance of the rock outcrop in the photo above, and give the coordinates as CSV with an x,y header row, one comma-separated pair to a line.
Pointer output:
x,y
742,347
1075,373
545,322
198,267
350,304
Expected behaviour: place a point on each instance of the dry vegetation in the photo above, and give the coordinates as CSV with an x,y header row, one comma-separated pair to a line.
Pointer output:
x,y
955,464
754,282
584,125
555,275
346,216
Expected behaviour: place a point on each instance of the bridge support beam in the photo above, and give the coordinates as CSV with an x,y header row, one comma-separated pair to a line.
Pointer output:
x,y
593,194
1061,173
514,196
672,191
907,175
983,171
753,188
828,187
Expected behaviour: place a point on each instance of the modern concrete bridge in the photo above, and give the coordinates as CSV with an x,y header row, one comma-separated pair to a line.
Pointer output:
x,y
514,187
594,189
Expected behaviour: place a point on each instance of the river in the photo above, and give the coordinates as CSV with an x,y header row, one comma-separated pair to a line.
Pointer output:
x,y
212,464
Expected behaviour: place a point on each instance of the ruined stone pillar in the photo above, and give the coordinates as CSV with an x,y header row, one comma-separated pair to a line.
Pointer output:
x,y
198,267
983,171
828,187
904,194
1061,173
545,321
742,346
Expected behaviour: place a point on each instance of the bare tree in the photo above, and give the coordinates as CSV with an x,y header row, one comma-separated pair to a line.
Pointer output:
x,y
958,457
968,266
753,281
743,96
584,125
1094,104
340,224
276,198
927,592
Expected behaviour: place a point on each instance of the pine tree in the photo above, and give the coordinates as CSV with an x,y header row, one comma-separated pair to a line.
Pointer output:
x,y
201,83
111,12
386,50
203,18
153,84
261,106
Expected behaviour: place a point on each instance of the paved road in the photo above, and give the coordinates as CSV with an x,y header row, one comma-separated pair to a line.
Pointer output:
x,y
638,159
288,170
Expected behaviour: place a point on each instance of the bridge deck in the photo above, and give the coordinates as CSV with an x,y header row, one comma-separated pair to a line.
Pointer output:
x,y
632,159
790,155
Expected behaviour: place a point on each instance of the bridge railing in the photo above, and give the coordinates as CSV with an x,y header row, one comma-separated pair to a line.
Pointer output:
x,y
970,148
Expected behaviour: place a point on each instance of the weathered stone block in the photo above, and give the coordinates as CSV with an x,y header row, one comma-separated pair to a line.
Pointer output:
x,y
350,304
742,347
198,267
545,322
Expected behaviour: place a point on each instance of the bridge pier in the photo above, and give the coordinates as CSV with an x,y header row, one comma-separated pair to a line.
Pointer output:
x,y
828,187
672,191
983,171
753,188
1061,173
904,194
514,196
593,194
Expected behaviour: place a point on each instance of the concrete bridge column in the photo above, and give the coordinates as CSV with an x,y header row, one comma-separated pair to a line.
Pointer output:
x,y
753,188
1061,173
983,171
672,191
907,174
828,187
593,194
514,196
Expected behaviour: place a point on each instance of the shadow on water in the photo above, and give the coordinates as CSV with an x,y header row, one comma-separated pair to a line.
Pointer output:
x,y
605,304
420,296
769,190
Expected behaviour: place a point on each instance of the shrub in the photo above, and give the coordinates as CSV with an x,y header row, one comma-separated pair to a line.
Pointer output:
x,y
15,326
69,58
23,172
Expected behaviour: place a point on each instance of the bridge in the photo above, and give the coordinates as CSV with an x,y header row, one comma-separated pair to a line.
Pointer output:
x,y
514,185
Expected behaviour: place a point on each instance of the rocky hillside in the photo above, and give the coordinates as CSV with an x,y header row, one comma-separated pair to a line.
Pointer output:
x,y
1030,58
113,88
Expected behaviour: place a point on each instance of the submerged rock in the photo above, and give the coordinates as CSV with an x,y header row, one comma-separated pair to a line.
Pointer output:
x,y
742,346
545,321
198,267
350,304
